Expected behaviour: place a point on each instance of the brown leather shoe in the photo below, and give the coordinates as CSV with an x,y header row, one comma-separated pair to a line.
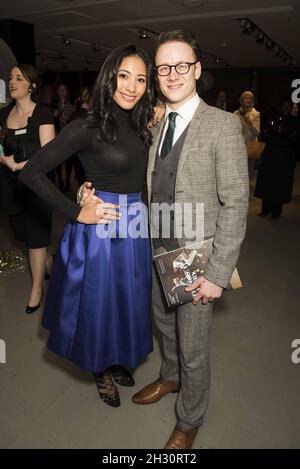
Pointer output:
x,y
153,392
181,438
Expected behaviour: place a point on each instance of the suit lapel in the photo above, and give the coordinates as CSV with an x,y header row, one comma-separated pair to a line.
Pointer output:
x,y
193,130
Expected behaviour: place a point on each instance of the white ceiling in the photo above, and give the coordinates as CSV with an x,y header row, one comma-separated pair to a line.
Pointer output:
x,y
110,23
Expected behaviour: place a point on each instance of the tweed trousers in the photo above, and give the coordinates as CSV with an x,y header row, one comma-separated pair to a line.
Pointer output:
x,y
185,341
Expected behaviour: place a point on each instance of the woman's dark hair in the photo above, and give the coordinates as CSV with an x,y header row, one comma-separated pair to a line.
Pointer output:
x,y
179,36
31,75
101,113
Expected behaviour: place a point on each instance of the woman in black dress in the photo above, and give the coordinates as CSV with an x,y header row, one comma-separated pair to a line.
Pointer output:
x,y
26,126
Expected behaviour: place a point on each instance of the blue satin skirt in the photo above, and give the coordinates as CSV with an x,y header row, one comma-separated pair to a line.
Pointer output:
x,y
98,303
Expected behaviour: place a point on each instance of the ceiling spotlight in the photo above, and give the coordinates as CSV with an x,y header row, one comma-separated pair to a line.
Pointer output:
x,y
66,41
202,56
259,36
281,54
37,52
217,60
143,34
96,47
268,43
276,49
246,25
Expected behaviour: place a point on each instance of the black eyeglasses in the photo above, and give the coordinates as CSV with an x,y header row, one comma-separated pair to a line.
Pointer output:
x,y
181,69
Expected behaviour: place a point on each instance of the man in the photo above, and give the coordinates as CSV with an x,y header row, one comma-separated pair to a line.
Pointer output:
x,y
198,156
208,164
221,100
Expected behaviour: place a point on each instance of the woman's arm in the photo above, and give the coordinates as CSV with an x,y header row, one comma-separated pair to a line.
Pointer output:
x,y
73,138
46,133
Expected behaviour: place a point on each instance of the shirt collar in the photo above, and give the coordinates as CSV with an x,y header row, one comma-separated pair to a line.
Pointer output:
x,y
187,110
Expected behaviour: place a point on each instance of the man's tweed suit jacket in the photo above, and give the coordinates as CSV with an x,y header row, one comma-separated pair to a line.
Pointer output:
x,y
213,170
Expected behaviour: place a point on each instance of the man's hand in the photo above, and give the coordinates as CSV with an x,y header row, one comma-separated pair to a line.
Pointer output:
x,y
84,191
208,291
159,112
96,211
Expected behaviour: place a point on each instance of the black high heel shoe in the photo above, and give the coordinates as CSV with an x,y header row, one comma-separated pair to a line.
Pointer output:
x,y
121,375
107,390
32,309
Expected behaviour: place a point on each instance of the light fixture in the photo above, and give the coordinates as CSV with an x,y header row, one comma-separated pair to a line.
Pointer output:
x,y
248,27
143,34
268,43
66,41
203,55
276,49
96,47
259,36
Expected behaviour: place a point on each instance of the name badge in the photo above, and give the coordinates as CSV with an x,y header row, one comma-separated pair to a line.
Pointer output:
x,y
21,131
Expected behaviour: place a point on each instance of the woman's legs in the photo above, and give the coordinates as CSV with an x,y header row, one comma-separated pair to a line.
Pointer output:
x,y
276,210
37,262
265,208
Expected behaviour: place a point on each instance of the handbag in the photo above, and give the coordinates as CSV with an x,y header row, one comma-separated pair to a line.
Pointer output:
x,y
255,149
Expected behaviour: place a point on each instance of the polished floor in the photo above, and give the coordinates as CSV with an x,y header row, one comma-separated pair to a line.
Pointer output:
x,y
46,402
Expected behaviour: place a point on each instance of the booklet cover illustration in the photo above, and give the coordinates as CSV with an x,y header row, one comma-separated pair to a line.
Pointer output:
x,y
179,268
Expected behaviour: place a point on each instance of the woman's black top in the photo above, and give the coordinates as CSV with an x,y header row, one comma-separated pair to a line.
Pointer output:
x,y
24,142
118,167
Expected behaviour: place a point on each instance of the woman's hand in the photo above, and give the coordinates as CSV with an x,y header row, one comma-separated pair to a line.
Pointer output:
x,y
9,161
96,211
159,112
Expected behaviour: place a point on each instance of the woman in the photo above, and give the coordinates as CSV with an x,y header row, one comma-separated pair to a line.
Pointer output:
x,y
26,127
250,119
98,303
62,112
275,177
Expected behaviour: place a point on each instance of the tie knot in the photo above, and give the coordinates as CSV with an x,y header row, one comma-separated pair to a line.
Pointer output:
x,y
172,117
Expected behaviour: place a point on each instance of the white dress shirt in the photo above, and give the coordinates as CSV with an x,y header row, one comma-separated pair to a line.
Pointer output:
x,y
185,115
